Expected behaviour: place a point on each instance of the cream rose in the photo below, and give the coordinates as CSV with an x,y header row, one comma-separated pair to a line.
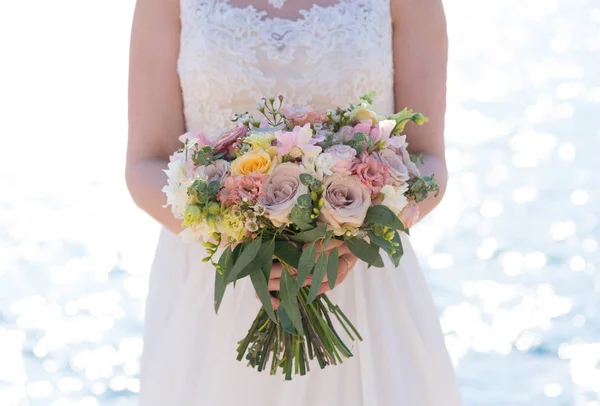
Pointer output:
x,y
347,200
281,191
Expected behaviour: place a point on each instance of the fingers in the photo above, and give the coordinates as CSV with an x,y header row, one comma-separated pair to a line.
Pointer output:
x,y
347,262
274,301
275,283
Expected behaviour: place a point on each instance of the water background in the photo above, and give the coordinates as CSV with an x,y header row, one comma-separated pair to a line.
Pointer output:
x,y
511,255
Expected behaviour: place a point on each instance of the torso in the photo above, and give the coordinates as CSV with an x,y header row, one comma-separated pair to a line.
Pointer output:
x,y
327,55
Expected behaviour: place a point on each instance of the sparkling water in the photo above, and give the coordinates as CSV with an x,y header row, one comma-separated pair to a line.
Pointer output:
x,y
511,254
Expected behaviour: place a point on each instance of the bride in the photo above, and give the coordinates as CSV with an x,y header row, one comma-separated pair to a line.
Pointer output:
x,y
195,62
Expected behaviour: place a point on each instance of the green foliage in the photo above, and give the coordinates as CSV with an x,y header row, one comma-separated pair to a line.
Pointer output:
x,y
420,188
332,267
288,292
288,253
203,156
368,253
382,215
318,276
249,252
306,262
311,235
262,291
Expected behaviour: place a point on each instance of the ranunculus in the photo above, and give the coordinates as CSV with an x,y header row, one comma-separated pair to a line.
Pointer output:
x,y
281,192
372,172
260,139
297,142
344,157
381,134
230,137
301,115
394,198
216,171
346,203
397,170
254,161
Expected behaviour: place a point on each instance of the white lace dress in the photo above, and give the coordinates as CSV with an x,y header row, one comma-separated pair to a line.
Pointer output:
x,y
229,58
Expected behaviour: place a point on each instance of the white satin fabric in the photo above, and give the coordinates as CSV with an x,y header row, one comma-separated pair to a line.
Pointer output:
x,y
229,58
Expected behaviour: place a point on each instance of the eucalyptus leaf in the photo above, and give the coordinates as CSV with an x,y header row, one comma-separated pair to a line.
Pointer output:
x,y
364,251
288,253
289,301
383,215
318,276
220,285
248,253
311,235
306,263
264,256
285,321
262,291
333,263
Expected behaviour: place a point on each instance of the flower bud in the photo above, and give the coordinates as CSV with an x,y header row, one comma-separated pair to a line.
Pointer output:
x,y
419,119
213,208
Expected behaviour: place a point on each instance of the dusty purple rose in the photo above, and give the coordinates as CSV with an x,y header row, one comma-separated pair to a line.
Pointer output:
x,y
412,167
345,134
346,203
344,157
216,171
281,191
397,170
230,137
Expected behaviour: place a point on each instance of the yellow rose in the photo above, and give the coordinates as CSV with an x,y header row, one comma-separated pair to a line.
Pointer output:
x,y
253,161
364,113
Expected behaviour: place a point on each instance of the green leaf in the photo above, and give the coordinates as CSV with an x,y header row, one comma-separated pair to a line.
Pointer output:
x,y
306,263
264,256
304,202
220,285
262,291
288,253
306,179
248,253
365,251
289,301
301,218
311,235
327,238
399,250
285,321
333,263
383,215
318,276
381,242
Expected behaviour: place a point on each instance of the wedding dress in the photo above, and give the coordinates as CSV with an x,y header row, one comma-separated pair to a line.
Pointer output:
x,y
229,58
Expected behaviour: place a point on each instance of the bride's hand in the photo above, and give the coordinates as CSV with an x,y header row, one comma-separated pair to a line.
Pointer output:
x,y
346,262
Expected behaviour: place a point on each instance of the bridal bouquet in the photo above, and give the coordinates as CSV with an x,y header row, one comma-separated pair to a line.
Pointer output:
x,y
276,190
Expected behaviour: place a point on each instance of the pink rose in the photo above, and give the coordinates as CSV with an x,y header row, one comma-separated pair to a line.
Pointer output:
x,y
372,172
397,170
363,127
344,157
301,115
281,192
346,203
227,139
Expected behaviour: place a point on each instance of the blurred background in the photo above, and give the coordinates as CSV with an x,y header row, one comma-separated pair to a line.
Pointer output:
x,y
511,255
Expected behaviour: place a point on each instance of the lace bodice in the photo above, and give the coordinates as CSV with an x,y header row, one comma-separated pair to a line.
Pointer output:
x,y
230,57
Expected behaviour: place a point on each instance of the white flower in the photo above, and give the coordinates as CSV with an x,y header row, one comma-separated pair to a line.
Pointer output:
x,y
195,233
320,165
394,197
177,185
